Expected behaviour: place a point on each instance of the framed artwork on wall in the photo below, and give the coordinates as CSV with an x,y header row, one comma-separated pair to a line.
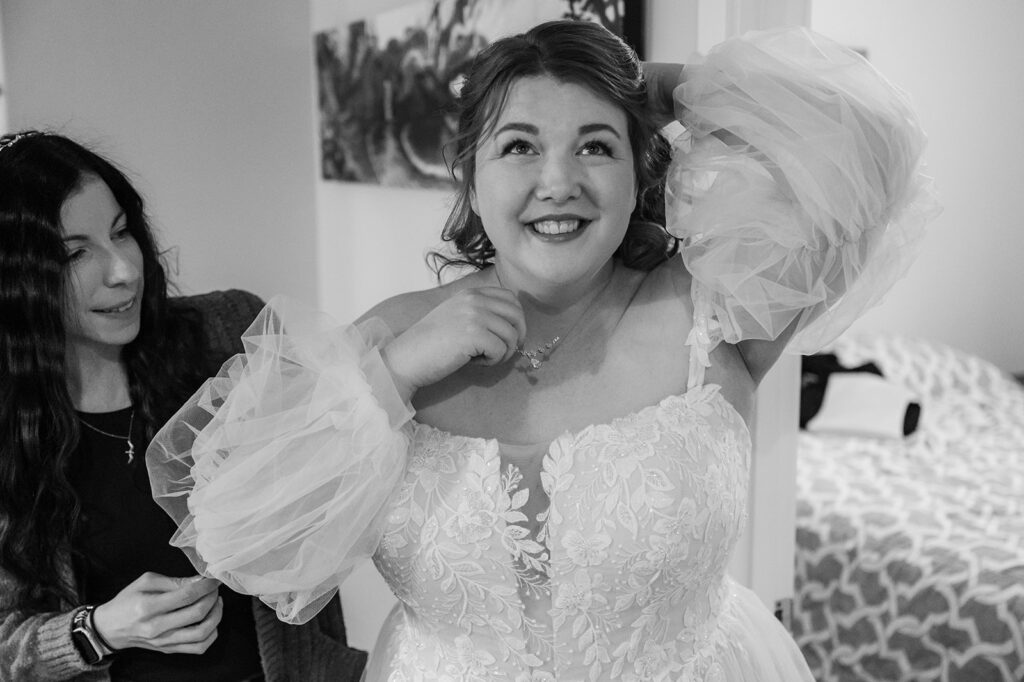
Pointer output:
x,y
387,84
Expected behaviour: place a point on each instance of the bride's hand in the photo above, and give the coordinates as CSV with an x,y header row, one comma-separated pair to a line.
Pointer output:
x,y
484,325
662,78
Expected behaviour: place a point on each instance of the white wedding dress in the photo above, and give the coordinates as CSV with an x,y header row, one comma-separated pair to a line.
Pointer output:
x,y
299,459
627,581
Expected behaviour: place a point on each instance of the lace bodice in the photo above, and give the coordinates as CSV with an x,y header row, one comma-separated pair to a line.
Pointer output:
x,y
626,573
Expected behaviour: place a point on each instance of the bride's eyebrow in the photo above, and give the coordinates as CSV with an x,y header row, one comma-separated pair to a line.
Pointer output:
x,y
522,127
533,130
597,127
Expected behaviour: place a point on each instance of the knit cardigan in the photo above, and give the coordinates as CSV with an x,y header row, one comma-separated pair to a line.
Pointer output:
x,y
36,647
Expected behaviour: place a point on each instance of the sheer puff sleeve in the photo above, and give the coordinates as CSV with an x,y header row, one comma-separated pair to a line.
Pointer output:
x,y
279,469
797,190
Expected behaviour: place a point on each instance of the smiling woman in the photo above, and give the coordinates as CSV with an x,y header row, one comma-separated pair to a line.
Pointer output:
x,y
555,186
94,356
104,272
548,457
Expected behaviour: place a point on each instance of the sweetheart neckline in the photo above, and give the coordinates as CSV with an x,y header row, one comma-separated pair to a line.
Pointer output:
x,y
712,388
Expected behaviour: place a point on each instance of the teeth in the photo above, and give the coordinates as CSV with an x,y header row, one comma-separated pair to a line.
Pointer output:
x,y
556,226
121,309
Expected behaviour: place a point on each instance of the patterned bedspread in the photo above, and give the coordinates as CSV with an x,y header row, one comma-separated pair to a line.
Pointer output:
x,y
910,553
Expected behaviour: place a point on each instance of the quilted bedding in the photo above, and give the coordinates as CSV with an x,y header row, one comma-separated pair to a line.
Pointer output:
x,y
910,552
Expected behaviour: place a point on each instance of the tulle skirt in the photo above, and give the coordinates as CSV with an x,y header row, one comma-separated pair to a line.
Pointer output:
x,y
748,645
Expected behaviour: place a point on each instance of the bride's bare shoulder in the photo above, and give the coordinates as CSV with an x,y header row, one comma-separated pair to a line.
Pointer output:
x,y
668,283
404,310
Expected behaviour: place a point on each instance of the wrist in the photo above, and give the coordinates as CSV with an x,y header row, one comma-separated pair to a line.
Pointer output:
x,y
104,640
392,361
101,624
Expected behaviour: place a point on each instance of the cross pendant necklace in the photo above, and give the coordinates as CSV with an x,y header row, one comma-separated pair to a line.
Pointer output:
x,y
130,451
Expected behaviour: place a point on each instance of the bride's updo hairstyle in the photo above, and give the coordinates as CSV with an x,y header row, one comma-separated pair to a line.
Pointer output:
x,y
578,52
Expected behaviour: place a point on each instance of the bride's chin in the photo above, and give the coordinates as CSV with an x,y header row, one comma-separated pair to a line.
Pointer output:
x,y
548,271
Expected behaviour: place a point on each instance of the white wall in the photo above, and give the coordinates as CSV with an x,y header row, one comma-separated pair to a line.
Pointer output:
x,y
3,79
209,105
963,65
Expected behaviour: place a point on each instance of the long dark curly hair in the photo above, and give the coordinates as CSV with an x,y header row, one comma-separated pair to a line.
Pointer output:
x,y
38,426
572,51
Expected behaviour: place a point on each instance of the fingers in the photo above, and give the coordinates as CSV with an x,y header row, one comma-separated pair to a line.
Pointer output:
x,y
183,591
482,325
498,343
498,312
156,582
161,613
661,79
194,638
187,616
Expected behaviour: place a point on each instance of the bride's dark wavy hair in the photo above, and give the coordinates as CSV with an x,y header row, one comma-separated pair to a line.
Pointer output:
x,y
38,425
579,52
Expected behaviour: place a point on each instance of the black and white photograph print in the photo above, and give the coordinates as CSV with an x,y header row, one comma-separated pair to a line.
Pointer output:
x,y
387,83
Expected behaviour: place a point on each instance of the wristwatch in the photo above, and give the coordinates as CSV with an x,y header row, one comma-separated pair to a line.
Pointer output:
x,y
86,639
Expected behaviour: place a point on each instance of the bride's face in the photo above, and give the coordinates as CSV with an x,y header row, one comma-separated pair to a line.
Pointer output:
x,y
555,182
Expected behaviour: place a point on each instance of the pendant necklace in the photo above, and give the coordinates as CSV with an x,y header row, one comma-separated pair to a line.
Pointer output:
x,y
127,439
542,353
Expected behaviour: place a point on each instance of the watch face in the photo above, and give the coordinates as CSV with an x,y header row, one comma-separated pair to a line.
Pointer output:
x,y
85,648
83,638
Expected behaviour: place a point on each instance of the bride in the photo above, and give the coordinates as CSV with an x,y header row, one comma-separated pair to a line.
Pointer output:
x,y
547,458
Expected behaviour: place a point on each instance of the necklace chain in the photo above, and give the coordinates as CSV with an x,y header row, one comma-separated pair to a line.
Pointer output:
x,y
542,353
130,451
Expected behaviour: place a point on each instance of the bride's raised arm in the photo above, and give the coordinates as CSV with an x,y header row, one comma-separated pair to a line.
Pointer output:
x,y
797,189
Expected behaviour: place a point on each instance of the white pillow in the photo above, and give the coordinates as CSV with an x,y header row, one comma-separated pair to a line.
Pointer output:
x,y
861,404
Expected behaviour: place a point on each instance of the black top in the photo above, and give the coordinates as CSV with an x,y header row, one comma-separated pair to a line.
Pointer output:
x,y
122,534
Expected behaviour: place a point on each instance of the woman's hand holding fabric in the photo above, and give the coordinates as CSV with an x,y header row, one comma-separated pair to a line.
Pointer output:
x,y
156,612
482,325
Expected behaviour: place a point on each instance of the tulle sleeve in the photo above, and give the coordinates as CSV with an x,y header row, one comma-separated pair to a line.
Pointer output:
x,y
797,190
279,469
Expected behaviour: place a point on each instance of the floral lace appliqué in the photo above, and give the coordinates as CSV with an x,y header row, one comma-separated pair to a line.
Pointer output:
x,y
628,560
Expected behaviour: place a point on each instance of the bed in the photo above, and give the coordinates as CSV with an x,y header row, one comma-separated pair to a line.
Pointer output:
x,y
910,549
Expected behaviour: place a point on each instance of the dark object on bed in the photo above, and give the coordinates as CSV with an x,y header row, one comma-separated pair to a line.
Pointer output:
x,y
816,370
910,551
